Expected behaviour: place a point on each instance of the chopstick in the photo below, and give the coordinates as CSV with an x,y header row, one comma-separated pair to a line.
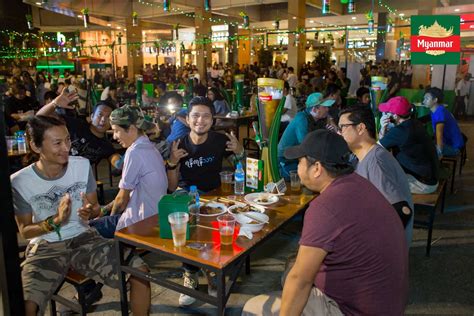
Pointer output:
x,y
253,218
204,226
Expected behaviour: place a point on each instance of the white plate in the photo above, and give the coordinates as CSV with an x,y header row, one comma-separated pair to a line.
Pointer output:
x,y
215,205
257,198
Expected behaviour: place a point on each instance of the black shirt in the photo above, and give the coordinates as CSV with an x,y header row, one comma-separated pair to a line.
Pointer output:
x,y
84,143
414,150
204,162
13,105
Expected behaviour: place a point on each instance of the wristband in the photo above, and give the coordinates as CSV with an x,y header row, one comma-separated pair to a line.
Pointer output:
x,y
103,211
170,165
56,227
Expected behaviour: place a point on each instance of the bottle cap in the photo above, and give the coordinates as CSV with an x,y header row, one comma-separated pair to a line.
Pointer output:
x,y
193,188
239,165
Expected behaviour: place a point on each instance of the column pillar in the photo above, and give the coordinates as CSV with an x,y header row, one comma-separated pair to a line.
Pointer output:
x,y
203,50
233,52
133,35
381,36
296,20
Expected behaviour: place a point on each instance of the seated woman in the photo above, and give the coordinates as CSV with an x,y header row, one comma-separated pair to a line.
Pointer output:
x,y
220,104
448,137
410,144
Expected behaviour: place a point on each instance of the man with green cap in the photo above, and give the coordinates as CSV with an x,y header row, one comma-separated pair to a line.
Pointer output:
x,y
144,179
314,117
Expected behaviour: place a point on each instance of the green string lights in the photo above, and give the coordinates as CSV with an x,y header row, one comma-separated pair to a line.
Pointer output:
x,y
393,11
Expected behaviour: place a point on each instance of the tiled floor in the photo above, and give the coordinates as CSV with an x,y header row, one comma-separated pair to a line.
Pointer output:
x,y
440,285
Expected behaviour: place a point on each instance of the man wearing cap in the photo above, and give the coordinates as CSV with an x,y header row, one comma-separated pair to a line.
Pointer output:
x,y
313,118
352,259
376,164
411,145
144,179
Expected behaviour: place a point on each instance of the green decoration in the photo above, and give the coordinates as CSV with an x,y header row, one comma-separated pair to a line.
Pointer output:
x,y
29,21
134,18
85,16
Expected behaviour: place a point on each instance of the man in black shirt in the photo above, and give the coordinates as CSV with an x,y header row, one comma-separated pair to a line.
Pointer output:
x,y
87,139
196,159
19,103
411,145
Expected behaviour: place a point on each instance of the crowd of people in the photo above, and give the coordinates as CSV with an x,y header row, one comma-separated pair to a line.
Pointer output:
x,y
337,150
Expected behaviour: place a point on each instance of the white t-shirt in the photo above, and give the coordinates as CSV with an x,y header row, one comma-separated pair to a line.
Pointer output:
x,y
292,80
463,87
39,196
290,105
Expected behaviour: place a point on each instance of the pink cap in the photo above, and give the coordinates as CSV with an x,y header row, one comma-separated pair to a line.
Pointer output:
x,y
396,105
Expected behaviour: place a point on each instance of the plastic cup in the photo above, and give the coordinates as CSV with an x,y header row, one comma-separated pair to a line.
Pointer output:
x,y
295,181
179,224
226,228
11,142
226,181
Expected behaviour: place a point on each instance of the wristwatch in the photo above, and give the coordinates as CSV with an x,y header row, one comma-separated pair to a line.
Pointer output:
x,y
170,165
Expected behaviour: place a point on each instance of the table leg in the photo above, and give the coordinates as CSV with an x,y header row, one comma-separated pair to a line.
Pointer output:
x,y
122,278
221,293
247,265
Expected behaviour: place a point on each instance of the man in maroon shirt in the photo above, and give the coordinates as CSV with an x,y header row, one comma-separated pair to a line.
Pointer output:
x,y
353,257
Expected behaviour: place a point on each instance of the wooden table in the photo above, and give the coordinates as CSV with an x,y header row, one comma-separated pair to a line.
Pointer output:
x,y
17,154
239,121
222,260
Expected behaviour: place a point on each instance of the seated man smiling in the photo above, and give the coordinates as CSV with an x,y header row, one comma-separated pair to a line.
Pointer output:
x,y
196,159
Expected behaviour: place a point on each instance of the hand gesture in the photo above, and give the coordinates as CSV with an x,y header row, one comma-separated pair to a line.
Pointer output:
x,y
65,98
176,152
64,209
233,144
85,210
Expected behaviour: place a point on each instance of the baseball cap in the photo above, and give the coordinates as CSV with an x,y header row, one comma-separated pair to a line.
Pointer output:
x,y
322,145
317,98
396,105
128,115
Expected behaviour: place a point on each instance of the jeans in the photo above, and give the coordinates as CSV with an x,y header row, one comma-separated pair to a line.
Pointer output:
x,y
106,225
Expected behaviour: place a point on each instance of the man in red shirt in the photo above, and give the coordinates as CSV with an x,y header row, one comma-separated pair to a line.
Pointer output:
x,y
353,257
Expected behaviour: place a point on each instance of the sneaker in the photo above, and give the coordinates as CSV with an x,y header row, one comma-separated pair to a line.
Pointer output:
x,y
191,281
211,283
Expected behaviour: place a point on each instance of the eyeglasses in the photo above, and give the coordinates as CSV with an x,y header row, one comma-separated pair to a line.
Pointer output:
x,y
342,126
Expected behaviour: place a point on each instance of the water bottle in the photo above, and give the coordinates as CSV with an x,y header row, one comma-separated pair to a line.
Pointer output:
x,y
21,141
239,187
194,204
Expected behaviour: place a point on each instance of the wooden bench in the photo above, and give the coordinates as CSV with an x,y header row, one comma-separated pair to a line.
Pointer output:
x,y
430,203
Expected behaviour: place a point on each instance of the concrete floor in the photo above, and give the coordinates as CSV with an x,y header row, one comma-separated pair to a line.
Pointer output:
x,y
440,285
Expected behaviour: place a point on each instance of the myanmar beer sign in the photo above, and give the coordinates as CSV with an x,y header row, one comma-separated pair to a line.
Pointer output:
x,y
435,39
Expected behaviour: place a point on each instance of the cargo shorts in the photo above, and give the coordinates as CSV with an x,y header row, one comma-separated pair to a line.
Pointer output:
x,y
47,264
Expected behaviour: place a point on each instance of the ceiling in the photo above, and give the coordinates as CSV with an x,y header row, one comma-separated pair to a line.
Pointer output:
x,y
110,14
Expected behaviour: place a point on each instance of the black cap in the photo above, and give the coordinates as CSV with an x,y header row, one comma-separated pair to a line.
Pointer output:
x,y
322,145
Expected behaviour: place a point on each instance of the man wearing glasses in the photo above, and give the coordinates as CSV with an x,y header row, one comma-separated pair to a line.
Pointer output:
x,y
376,164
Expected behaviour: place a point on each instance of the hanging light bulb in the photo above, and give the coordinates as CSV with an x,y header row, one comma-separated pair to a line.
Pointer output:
x,y
207,5
325,8
85,16
134,18
351,7
29,21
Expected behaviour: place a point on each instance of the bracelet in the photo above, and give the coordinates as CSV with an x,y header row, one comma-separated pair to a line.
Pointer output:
x,y
45,226
56,227
103,211
170,165
54,103
240,156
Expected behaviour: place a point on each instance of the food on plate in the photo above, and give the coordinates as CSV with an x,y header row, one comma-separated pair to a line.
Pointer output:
x,y
209,210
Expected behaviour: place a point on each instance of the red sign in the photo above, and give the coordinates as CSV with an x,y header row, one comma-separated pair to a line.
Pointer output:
x,y
467,22
421,44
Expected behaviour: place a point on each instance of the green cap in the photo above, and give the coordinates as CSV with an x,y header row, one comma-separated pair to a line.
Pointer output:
x,y
316,98
128,115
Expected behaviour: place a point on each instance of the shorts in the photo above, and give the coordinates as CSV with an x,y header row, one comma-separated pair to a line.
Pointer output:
x,y
270,304
106,225
88,254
